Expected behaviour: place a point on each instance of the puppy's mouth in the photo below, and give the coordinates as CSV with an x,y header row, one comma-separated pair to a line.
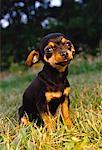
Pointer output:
x,y
63,63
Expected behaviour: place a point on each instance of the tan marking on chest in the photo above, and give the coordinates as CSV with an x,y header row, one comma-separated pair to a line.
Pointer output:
x,y
66,91
52,95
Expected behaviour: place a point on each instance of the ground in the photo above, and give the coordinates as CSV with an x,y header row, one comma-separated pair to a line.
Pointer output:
x,y
85,78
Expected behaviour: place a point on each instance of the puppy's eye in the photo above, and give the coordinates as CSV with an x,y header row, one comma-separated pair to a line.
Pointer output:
x,y
68,44
49,50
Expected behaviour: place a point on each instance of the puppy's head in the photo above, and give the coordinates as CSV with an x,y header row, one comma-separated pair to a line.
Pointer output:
x,y
54,49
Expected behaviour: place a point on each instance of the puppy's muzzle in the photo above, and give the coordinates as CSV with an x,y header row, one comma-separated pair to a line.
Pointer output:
x,y
64,54
67,56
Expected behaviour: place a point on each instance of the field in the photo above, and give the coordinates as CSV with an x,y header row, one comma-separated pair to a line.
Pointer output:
x,y
85,78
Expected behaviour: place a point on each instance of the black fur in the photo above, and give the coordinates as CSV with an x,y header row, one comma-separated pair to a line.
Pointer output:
x,y
49,79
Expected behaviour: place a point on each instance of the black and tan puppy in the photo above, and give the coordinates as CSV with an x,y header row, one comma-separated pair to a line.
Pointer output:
x,y
50,90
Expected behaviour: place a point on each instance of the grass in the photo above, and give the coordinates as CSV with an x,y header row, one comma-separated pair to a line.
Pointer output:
x,y
86,113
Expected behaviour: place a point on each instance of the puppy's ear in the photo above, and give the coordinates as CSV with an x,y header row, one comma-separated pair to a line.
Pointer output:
x,y
78,49
32,58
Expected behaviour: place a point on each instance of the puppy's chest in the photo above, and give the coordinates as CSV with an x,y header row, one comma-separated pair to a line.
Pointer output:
x,y
58,93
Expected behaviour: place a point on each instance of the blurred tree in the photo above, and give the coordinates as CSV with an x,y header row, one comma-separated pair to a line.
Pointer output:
x,y
93,22
24,22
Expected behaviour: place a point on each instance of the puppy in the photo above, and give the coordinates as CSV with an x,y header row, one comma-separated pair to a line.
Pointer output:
x,y
50,90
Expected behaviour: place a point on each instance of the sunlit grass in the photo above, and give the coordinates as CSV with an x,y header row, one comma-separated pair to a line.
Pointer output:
x,y
85,108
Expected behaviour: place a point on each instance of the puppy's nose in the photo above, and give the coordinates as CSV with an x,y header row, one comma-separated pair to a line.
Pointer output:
x,y
64,54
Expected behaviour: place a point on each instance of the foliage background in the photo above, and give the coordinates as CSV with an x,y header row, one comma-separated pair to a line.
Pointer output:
x,y
79,20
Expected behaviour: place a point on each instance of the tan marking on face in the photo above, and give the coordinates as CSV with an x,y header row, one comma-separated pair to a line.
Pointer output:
x,y
64,40
58,57
72,47
52,44
25,121
52,62
70,55
66,91
51,95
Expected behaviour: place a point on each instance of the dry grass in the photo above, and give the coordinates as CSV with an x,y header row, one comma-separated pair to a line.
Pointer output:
x,y
86,114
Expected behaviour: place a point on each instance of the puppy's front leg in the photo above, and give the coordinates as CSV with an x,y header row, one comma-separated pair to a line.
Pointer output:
x,y
45,115
47,120
65,112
